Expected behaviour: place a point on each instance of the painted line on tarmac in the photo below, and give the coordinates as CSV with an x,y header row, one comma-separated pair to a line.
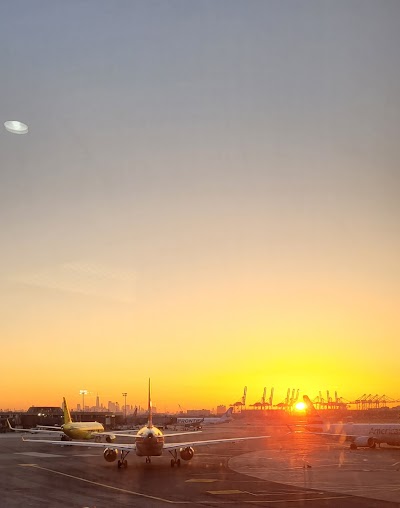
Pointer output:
x,y
303,501
39,454
224,492
274,501
125,491
85,455
201,480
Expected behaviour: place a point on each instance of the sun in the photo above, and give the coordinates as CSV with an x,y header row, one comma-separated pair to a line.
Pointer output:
x,y
300,406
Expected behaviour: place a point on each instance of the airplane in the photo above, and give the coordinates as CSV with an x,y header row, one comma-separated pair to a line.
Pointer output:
x,y
366,435
150,442
74,430
198,423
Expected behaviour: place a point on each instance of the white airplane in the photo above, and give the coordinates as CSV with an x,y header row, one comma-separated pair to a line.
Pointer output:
x,y
366,435
150,442
198,423
74,430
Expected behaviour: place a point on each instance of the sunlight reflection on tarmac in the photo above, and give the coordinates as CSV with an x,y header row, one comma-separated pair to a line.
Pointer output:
x,y
310,462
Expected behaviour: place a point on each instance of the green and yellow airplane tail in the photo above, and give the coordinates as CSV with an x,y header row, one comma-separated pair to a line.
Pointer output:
x,y
67,414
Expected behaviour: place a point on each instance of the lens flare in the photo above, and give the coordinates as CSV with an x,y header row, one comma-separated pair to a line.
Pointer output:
x,y
16,127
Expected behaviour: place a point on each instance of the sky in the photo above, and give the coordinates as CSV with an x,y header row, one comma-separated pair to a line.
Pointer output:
x,y
208,195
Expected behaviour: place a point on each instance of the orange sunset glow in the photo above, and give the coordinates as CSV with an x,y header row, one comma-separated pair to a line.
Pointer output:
x,y
199,210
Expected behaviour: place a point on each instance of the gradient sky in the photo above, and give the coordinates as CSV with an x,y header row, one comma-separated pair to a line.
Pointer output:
x,y
208,196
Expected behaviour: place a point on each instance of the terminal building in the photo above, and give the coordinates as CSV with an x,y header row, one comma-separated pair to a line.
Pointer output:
x,y
54,416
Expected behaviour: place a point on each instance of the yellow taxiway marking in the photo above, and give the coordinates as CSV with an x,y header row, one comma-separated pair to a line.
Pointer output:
x,y
201,480
125,491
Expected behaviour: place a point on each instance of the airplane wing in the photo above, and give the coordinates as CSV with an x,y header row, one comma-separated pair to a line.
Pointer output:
x,y
134,433
38,431
87,444
341,436
331,434
132,446
47,427
182,433
173,446
118,433
348,437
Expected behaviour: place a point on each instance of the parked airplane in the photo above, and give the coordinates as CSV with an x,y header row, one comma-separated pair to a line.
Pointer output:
x,y
150,442
198,423
74,430
359,434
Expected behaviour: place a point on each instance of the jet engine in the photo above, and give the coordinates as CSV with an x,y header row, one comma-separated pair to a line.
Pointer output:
x,y
363,441
110,454
186,453
110,438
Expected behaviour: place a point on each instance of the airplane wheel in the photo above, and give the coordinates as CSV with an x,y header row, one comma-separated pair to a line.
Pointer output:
x,y
172,463
178,462
119,464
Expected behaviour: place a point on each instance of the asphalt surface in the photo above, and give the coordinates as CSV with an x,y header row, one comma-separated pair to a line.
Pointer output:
x,y
286,470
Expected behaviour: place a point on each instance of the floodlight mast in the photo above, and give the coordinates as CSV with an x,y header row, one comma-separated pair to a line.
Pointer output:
x,y
124,395
83,393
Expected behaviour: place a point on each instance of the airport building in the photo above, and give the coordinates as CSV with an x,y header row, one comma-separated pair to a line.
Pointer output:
x,y
47,415
201,413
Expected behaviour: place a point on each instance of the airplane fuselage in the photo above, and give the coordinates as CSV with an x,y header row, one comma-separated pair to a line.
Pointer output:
x,y
189,421
199,422
149,442
215,421
388,433
82,430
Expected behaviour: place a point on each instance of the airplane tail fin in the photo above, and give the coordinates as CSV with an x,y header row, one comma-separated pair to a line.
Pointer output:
x,y
150,424
313,417
67,414
229,412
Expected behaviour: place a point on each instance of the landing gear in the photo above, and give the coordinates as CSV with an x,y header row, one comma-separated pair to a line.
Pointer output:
x,y
175,459
148,460
123,462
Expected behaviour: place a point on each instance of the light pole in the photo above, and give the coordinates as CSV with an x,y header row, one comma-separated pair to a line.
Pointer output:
x,y
124,395
83,393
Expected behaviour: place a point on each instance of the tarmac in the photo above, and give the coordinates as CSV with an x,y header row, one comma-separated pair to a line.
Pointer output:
x,y
293,470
